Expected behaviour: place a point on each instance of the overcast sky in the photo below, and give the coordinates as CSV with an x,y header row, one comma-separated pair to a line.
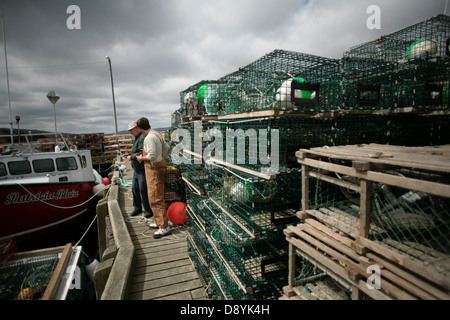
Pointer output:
x,y
161,47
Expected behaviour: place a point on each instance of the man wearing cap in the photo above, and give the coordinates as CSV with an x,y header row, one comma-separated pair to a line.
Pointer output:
x,y
139,184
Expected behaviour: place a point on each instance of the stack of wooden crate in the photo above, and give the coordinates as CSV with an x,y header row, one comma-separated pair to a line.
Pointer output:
x,y
46,144
87,141
361,238
111,145
114,144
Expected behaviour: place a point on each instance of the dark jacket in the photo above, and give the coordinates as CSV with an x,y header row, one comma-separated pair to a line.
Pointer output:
x,y
138,146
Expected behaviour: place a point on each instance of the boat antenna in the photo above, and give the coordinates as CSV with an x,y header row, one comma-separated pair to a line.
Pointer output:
x,y
7,76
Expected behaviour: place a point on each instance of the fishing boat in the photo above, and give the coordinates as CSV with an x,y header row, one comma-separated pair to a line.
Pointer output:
x,y
42,192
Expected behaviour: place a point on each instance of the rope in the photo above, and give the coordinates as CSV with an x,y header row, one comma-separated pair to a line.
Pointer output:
x,y
82,237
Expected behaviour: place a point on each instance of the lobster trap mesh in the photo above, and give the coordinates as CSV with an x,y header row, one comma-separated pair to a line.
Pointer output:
x,y
312,283
424,40
410,222
26,279
407,68
280,80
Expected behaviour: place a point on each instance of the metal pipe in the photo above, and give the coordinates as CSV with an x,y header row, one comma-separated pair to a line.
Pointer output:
x,y
112,89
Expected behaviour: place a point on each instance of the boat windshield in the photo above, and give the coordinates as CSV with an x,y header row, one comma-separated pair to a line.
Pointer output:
x,y
43,165
19,167
67,163
39,166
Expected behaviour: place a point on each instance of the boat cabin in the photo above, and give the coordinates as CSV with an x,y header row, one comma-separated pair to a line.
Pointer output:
x,y
64,166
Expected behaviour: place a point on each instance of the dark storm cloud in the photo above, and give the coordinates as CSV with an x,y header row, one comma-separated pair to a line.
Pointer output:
x,y
159,48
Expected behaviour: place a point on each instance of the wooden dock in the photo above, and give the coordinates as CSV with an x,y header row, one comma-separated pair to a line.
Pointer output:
x,y
162,269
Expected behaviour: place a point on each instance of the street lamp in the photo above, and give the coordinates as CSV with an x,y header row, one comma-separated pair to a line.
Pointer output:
x,y
53,97
112,89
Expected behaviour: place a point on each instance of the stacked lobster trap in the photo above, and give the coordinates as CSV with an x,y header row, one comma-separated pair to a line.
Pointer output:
x,y
280,80
235,141
237,214
373,207
405,69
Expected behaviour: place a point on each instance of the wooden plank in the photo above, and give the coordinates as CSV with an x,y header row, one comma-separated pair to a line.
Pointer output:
x,y
39,252
193,186
147,270
404,260
365,207
331,267
429,187
339,182
254,114
166,290
168,271
246,170
291,265
163,281
58,273
426,289
233,166
305,187
187,295
340,270
231,216
402,158
169,258
339,255
200,221
347,241
152,254
333,222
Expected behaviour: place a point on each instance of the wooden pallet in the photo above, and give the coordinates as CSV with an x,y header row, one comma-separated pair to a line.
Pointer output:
x,y
337,255
409,270
419,270
320,290
331,252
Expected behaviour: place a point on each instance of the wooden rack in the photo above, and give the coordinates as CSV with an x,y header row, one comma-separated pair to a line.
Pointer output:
x,y
346,251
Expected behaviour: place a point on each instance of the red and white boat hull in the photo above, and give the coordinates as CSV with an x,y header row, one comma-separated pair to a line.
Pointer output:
x,y
28,211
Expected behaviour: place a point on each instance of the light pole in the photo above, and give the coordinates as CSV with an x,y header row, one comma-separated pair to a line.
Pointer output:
x,y
18,127
53,97
112,89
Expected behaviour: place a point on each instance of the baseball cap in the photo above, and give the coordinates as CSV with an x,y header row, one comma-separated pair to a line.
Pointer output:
x,y
132,125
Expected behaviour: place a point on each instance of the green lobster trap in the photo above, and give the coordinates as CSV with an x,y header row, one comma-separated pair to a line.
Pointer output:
x,y
423,41
257,271
407,68
284,80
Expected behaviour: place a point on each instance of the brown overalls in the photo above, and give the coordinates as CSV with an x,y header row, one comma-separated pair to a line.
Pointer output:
x,y
156,178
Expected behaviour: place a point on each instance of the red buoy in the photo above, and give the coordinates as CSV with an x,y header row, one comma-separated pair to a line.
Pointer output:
x,y
177,213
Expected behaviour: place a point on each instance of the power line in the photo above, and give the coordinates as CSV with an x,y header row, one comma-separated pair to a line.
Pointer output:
x,y
56,66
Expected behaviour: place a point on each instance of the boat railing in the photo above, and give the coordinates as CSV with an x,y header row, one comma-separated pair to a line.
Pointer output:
x,y
29,145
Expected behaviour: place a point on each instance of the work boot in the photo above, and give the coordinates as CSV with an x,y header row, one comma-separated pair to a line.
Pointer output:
x,y
148,214
136,212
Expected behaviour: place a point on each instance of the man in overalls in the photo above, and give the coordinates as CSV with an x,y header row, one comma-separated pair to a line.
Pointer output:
x,y
155,174
139,185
